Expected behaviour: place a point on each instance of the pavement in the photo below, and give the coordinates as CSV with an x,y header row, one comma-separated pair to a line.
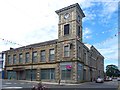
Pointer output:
x,y
53,83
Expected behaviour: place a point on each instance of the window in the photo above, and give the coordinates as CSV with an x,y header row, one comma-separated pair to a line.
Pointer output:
x,y
27,57
34,58
78,31
66,74
80,72
14,59
66,51
48,74
28,74
66,29
20,58
79,52
84,56
9,59
34,71
11,75
51,54
43,56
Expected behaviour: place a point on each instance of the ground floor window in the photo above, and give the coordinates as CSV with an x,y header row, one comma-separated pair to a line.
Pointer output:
x,y
66,74
66,70
34,74
80,72
20,75
48,74
28,74
11,75
31,74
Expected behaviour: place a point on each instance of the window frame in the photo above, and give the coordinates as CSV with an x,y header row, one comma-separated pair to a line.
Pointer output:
x,y
42,57
78,31
51,55
79,52
47,74
20,58
68,52
14,59
66,29
34,57
64,71
9,60
27,58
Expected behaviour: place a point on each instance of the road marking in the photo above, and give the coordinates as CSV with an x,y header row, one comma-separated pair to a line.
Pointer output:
x,y
4,85
15,83
8,83
21,83
12,87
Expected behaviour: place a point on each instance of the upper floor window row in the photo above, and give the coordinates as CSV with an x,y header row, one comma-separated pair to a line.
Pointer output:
x,y
34,58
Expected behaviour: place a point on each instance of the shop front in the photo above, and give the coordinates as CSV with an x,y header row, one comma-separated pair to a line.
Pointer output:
x,y
66,71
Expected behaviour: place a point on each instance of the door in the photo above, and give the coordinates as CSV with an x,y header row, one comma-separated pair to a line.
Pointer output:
x,y
84,74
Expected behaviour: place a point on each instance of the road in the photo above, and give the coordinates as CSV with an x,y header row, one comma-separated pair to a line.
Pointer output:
x,y
15,85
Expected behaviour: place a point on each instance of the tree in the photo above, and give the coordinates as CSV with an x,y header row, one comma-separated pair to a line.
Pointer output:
x,y
112,71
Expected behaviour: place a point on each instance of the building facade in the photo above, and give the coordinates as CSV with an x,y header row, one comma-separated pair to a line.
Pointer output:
x,y
1,65
66,59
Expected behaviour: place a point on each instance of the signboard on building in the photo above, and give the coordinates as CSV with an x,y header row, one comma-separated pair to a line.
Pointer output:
x,y
68,67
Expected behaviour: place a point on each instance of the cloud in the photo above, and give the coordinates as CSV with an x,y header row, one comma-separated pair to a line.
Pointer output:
x,y
109,8
87,33
109,49
89,15
104,13
42,34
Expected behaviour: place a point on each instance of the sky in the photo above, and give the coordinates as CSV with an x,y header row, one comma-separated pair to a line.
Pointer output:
x,y
24,22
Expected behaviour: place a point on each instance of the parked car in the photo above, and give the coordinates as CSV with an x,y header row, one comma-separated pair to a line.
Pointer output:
x,y
118,79
99,80
110,79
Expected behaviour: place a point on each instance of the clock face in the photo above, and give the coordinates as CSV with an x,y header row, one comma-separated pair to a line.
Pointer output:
x,y
67,15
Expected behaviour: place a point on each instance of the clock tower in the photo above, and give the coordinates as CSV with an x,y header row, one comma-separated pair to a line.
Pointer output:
x,y
69,39
70,23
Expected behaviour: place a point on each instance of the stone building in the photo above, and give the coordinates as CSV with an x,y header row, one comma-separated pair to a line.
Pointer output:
x,y
66,59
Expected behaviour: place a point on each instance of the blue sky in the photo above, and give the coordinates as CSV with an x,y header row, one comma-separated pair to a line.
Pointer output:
x,y
102,23
24,22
